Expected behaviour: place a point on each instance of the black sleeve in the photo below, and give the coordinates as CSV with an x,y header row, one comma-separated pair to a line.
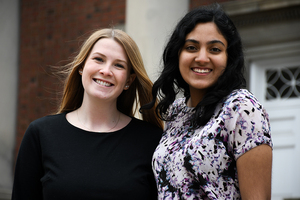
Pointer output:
x,y
28,169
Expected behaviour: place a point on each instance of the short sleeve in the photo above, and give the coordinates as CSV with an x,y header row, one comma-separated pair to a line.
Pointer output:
x,y
250,124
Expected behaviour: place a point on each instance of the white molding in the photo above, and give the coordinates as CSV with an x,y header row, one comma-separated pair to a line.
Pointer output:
x,y
274,50
250,6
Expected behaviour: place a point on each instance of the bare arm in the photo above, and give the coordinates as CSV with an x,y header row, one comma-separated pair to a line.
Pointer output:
x,y
254,173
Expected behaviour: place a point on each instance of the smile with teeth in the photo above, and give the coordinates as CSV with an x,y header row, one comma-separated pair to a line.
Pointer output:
x,y
102,83
201,70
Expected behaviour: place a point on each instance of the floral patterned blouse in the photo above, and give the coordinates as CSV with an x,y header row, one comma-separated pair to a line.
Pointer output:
x,y
201,163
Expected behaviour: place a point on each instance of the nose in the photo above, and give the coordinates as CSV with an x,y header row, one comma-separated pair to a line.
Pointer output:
x,y
202,56
106,69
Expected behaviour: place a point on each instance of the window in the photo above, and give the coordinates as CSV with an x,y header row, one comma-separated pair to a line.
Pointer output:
x,y
283,83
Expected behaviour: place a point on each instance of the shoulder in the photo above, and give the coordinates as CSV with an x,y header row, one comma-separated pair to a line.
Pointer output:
x,y
45,124
48,120
242,98
41,127
244,107
176,107
144,125
145,128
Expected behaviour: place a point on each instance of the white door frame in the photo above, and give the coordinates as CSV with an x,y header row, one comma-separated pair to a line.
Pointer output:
x,y
284,116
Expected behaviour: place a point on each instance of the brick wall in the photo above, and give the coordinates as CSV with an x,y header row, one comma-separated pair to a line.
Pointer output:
x,y
49,33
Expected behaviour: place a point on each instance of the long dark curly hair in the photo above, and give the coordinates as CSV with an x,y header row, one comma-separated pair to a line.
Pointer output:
x,y
170,81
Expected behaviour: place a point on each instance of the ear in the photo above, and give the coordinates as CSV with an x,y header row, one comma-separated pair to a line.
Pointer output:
x,y
129,81
80,71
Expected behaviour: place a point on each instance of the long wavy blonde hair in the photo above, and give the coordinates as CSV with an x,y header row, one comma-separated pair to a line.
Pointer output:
x,y
128,101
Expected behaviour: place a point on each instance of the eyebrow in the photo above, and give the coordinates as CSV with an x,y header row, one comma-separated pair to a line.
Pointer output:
x,y
98,53
210,42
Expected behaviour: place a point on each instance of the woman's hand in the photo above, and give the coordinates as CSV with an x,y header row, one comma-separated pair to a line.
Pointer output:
x,y
254,173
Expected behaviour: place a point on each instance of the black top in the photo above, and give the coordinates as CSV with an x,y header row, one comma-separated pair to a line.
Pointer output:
x,y
60,161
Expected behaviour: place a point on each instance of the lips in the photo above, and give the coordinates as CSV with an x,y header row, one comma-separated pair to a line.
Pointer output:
x,y
104,83
202,71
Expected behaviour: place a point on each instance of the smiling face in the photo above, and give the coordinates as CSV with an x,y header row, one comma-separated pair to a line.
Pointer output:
x,y
106,72
202,59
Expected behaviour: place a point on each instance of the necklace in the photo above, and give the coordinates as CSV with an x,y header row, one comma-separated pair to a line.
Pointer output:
x,y
99,131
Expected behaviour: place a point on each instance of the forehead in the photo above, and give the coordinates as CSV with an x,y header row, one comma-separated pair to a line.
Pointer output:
x,y
109,46
206,32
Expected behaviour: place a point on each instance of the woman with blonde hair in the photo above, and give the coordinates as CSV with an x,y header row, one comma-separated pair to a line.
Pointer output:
x,y
94,148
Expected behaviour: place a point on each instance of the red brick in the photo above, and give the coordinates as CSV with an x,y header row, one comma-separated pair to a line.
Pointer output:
x,y
49,32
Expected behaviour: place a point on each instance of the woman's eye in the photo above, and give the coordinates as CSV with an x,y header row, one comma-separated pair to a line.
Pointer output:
x,y
98,59
119,65
215,49
191,48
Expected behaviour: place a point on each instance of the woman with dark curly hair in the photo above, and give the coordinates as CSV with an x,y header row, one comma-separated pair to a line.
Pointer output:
x,y
217,142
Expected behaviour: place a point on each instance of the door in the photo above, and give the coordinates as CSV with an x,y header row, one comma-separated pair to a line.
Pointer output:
x,y
276,84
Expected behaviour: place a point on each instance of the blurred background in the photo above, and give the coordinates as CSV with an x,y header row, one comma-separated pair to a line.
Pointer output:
x,y
36,35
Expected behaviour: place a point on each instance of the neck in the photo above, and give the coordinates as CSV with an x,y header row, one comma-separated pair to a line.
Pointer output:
x,y
193,102
196,97
99,117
